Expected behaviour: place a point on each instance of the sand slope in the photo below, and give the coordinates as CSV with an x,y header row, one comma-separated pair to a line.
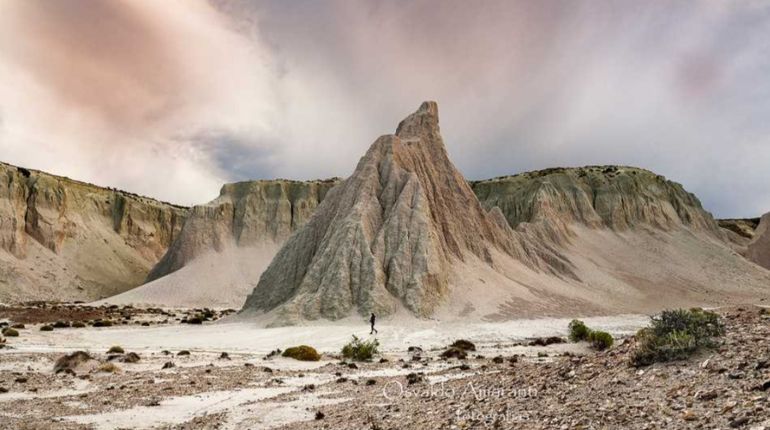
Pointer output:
x,y
758,250
215,279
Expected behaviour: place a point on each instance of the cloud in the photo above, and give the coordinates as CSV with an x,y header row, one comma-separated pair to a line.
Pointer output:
x,y
116,92
102,91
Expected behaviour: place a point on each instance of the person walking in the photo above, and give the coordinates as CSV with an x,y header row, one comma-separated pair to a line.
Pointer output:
x,y
371,321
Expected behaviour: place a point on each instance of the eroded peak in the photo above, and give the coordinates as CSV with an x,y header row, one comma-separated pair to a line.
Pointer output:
x,y
421,123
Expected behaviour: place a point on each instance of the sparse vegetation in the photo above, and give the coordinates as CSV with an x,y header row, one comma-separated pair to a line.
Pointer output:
x,y
360,350
78,324
116,350
676,335
302,353
600,340
46,328
579,332
109,367
10,332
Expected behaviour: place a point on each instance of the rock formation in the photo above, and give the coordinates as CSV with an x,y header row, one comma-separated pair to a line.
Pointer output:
x,y
615,197
406,232
226,244
758,250
744,228
390,235
245,214
64,239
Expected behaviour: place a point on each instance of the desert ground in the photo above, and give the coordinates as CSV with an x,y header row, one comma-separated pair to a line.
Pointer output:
x,y
222,375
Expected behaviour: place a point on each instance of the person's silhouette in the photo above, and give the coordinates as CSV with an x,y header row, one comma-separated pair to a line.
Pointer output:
x,y
371,321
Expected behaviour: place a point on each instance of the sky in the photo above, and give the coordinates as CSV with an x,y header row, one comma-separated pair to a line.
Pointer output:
x,y
173,98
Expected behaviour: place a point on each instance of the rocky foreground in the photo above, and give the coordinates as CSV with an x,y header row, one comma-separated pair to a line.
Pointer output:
x,y
547,387
724,388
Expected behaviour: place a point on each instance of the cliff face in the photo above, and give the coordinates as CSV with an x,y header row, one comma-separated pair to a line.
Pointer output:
x,y
745,228
246,214
64,239
226,244
616,197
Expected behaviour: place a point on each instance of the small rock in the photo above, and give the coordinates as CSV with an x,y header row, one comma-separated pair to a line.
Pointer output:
x,y
319,415
707,395
454,352
739,422
545,341
689,416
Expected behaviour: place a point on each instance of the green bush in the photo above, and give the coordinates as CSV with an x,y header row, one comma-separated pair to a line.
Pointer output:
x,y
697,322
360,350
676,335
600,340
578,332
116,350
10,332
302,353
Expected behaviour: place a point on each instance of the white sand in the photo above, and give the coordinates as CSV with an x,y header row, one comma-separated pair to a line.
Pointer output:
x,y
213,280
252,407
245,337
178,409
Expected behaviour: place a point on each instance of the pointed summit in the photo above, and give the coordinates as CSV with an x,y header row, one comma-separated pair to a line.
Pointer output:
x,y
421,124
391,235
